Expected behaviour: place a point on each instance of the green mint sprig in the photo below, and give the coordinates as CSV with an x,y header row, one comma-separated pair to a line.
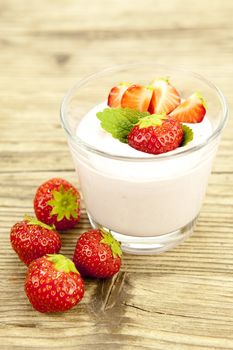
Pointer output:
x,y
120,121
187,136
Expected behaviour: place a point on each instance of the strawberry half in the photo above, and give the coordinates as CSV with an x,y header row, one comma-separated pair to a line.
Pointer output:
x,y
115,95
165,97
192,110
156,134
137,97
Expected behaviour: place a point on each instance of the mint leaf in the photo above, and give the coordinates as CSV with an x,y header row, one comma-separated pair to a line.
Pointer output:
x,y
188,135
120,121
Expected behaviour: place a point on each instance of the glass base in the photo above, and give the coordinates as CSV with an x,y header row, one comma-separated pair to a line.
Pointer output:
x,y
150,245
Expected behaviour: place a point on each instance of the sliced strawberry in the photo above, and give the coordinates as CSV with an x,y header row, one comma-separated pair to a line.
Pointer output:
x,y
137,97
192,110
165,97
115,95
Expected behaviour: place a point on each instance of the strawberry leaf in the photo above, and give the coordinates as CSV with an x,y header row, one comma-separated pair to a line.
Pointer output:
x,y
152,120
33,221
64,204
61,263
120,121
111,242
188,135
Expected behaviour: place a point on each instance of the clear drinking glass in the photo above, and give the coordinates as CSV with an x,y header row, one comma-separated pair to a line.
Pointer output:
x,y
150,203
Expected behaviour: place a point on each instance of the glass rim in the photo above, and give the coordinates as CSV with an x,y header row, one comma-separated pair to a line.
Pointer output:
x,y
152,157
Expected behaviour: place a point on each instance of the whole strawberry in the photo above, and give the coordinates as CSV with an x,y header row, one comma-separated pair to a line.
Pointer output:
x,y
32,239
97,254
53,284
57,203
156,134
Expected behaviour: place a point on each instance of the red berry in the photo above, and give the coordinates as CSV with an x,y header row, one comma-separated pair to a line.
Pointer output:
x,y
97,254
32,239
156,134
115,95
192,110
137,97
53,284
57,203
165,97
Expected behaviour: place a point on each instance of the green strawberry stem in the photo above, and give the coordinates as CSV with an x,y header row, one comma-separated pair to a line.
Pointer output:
x,y
151,120
166,79
111,242
61,263
33,221
150,87
64,204
124,83
199,95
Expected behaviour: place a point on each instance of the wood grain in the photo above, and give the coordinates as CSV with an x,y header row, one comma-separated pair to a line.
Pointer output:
x,y
179,300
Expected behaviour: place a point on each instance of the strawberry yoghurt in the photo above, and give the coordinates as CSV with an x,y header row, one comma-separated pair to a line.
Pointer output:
x,y
144,195
150,201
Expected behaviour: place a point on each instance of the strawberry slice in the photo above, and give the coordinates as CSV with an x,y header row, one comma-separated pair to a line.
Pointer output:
x,y
165,97
192,110
137,97
115,95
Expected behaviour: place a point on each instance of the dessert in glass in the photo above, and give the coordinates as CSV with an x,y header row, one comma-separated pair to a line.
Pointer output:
x,y
145,179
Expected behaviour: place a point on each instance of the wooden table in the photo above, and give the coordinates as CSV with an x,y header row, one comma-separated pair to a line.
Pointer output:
x,y
182,299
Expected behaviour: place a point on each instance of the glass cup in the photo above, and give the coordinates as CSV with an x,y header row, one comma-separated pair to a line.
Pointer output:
x,y
150,203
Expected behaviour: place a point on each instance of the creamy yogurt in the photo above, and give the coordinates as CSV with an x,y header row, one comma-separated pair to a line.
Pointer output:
x,y
141,197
